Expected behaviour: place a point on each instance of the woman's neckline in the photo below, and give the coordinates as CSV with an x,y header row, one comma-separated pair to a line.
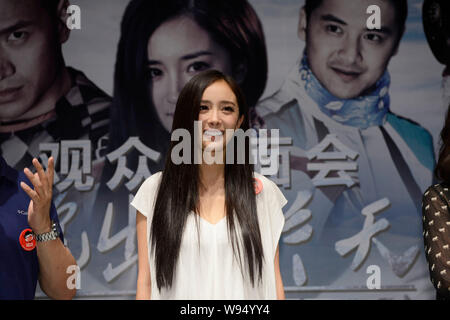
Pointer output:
x,y
208,222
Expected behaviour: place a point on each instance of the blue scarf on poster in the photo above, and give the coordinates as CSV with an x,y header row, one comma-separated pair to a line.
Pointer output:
x,y
362,112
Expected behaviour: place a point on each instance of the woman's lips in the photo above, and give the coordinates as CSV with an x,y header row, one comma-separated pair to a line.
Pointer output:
x,y
9,94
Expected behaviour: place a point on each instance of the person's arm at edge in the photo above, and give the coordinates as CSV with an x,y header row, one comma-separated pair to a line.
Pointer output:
x,y
143,290
54,258
278,279
53,274
437,240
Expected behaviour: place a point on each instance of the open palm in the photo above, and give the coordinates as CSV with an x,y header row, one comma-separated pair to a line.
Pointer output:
x,y
41,196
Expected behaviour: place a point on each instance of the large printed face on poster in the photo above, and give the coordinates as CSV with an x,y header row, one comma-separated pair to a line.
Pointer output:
x,y
175,56
352,170
354,107
30,43
345,56
161,47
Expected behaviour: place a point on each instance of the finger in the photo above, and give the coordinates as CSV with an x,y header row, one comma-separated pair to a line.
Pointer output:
x,y
39,187
51,171
34,179
41,174
30,175
30,192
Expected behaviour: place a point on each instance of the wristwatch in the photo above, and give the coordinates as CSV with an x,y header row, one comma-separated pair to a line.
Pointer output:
x,y
52,235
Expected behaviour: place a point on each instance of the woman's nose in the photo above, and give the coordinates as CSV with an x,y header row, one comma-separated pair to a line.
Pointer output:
x,y
214,118
175,85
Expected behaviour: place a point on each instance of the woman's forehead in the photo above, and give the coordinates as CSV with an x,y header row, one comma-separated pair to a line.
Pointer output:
x,y
219,91
180,36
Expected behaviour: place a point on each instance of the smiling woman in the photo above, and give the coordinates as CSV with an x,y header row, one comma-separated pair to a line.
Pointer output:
x,y
205,231
163,45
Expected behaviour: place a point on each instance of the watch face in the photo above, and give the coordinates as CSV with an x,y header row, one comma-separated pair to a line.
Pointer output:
x,y
55,231
436,23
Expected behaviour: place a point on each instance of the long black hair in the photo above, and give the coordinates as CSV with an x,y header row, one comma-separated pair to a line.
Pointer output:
x,y
442,169
232,23
178,194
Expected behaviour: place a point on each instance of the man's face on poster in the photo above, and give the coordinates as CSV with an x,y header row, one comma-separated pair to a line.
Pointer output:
x,y
345,56
29,47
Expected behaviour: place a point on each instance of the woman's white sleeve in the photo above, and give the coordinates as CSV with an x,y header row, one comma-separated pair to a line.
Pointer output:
x,y
277,202
144,199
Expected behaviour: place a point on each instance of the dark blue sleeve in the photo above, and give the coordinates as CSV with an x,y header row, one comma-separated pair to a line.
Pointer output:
x,y
54,217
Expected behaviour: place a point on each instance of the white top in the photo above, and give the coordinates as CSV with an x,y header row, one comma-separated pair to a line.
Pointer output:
x,y
211,271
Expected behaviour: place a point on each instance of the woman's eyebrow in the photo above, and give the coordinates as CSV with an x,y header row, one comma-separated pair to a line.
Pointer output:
x,y
197,54
153,62
222,102
227,103
188,56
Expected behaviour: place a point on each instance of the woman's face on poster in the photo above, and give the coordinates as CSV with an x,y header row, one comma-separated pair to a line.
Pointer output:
x,y
177,50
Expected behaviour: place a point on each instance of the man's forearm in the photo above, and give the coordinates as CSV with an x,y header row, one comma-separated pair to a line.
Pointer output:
x,y
54,260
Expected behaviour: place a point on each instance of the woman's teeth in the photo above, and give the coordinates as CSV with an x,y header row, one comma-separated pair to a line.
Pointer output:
x,y
212,134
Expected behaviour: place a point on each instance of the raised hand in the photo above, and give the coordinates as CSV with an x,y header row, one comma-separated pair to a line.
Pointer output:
x,y
41,196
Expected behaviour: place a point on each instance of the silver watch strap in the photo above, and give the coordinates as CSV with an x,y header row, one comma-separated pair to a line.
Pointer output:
x,y
52,235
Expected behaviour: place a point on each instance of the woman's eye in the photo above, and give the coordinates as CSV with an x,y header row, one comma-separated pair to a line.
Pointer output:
x,y
229,109
17,36
198,67
334,29
153,73
202,108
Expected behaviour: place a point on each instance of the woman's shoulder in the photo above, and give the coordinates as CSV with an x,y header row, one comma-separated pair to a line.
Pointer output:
x,y
268,189
266,182
152,182
144,199
155,177
436,189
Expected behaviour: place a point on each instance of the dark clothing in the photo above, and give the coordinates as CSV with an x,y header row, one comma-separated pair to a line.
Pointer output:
x,y
19,268
436,226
